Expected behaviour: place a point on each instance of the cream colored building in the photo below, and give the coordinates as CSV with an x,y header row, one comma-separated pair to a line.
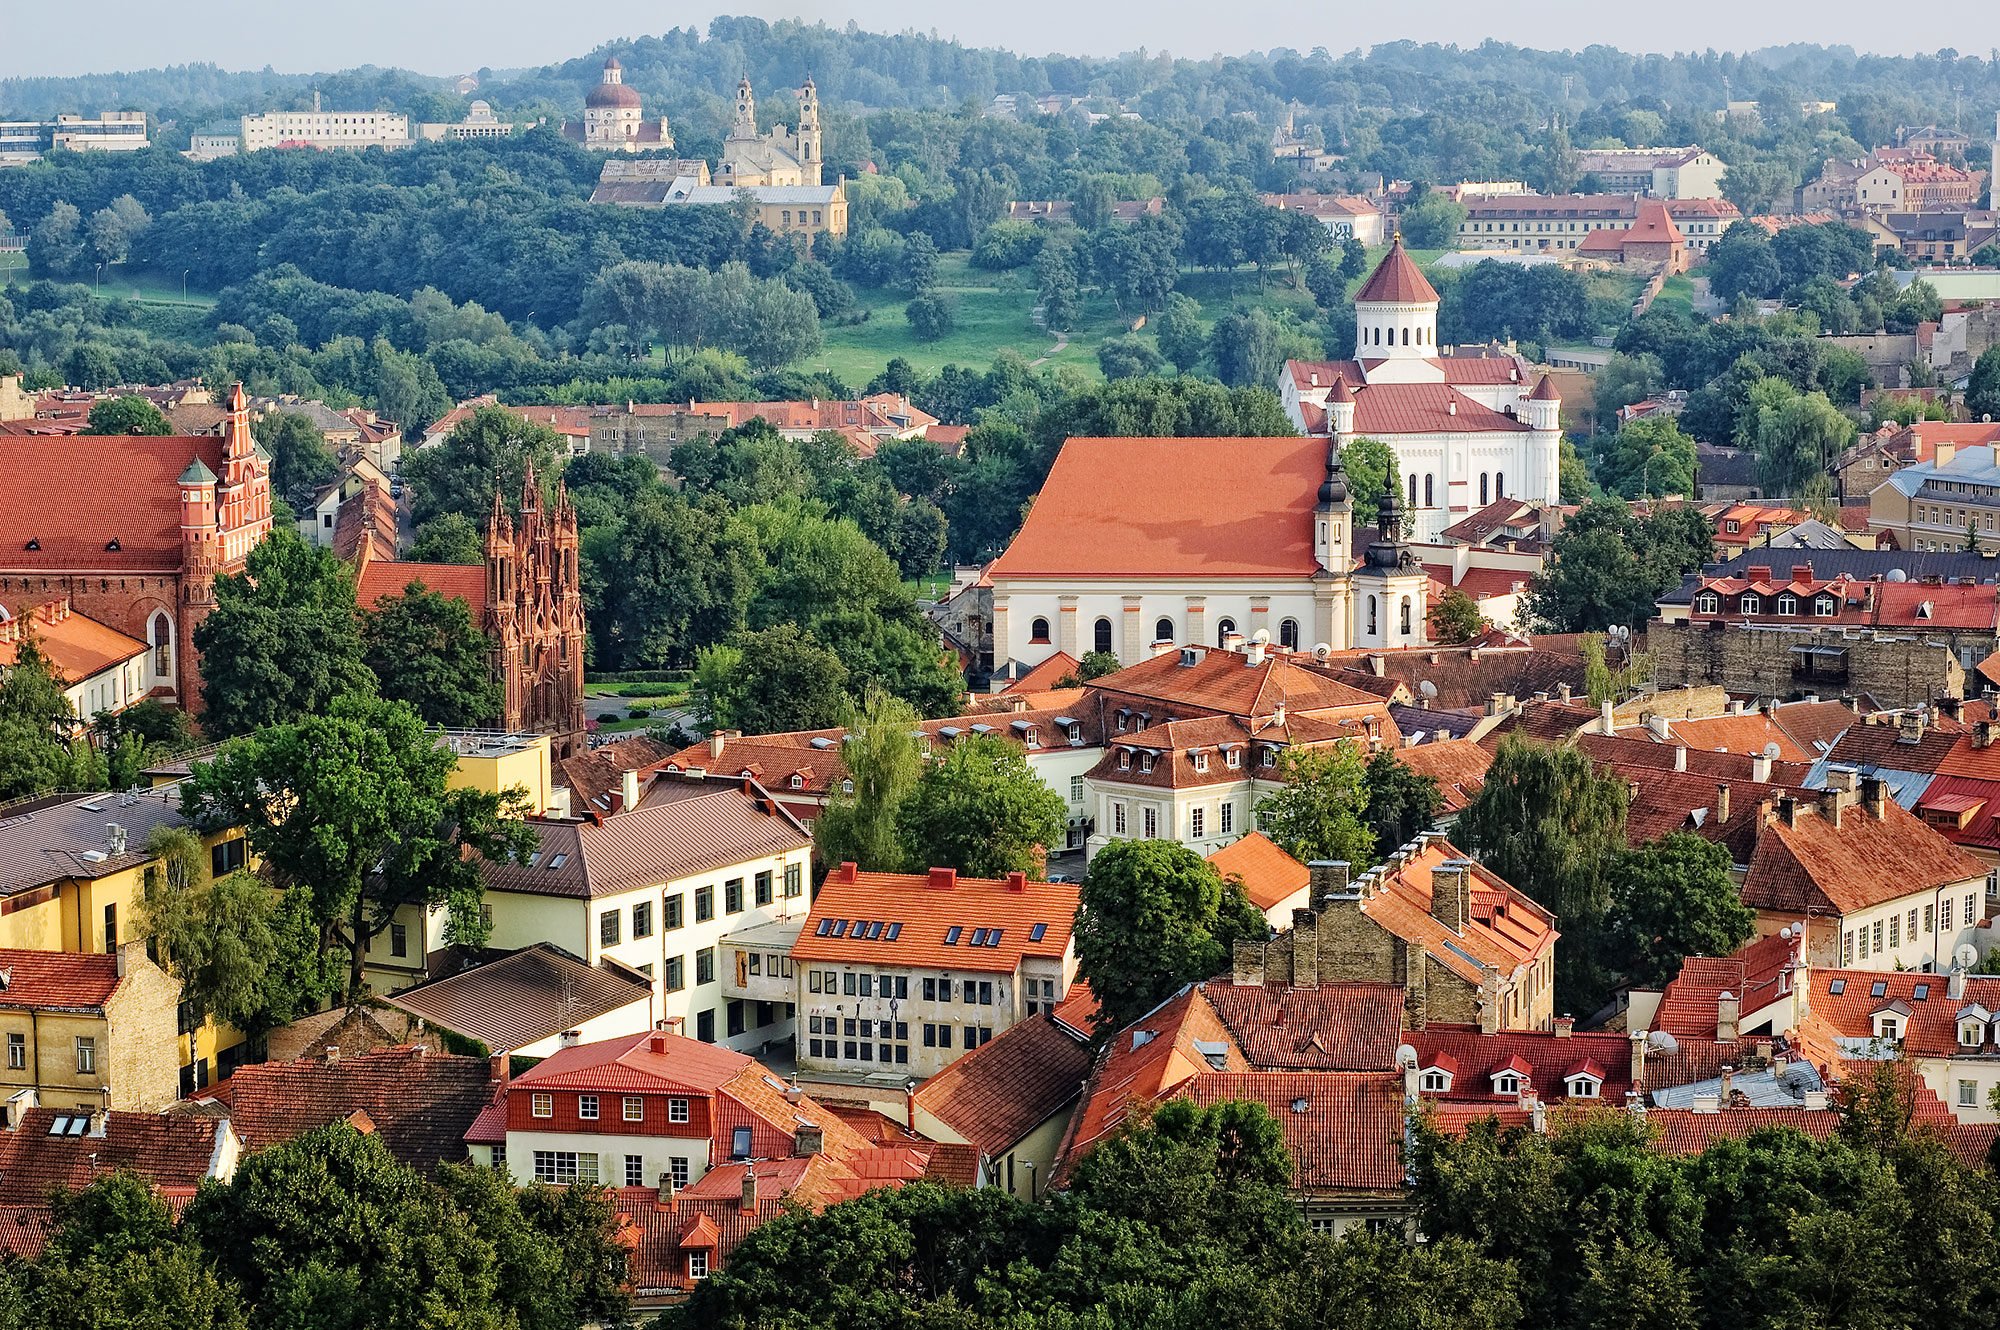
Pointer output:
x,y
88,1031
782,157
326,129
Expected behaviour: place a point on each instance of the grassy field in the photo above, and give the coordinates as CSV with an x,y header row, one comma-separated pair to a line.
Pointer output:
x,y
1676,294
13,259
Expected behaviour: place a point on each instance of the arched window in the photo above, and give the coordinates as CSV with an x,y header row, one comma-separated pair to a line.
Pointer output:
x,y
1039,630
163,646
1223,628
1406,616
1430,495
1788,604
1413,489
1499,484
1749,604
1288,634
1163,630
1707,603
1372,629
1100,635
1824,607
1483,500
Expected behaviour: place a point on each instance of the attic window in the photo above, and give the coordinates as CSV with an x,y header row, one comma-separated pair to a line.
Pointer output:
x,y
1301,1105
1201,761
34,543
557,861
1878,988
1436,1081
895,930
534,857
112,544
1922,993
1837,987
1507,1083
1581,1087
1924,610
1124,757
951,935
1706,603
847,786
1145,761
993,936
978,937
1036,933
798,782
825,926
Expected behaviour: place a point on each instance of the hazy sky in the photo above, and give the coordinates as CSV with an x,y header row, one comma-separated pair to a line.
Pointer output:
x,y
449,36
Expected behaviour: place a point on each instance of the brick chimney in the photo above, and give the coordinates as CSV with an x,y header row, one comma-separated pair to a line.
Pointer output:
x,y
848,871
667,1191
1829,808
1565,1026
1788,809
1722,801
1017,882
1638,1059
498,1068
629,790
941,879
1246,969
1451,893
749,1189
1875,797
1305,949
1328,877
808,1139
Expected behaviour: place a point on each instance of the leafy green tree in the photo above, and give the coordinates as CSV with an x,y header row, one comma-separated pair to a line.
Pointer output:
x,y
448,538
113,1262
301,463
1371,469
882,758
34,711
161,728
353,806
1432,222
1548,823
425,650
1057,285
1982,389
1650,458
1672,898
57,243
1154,915
1181,336
1574,475
1127,357
1795,435
1195,1175
920,262
982,811
1097,664
130,414
490,450
784,679
1249,348
1455,618
1319,814
117,227
932,317
684,580
1741,263
1401,801
536,1235
1609,567
283,640
328,1230
1625,380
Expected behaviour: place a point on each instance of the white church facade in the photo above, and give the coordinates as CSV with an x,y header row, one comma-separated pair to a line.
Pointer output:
x,y
1136,542
1467,430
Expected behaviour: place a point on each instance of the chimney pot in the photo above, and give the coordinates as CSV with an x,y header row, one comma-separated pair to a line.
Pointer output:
x,y
630,790
849,871
1017,882
1565,1026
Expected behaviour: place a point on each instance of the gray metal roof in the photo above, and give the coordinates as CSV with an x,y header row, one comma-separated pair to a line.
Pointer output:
x,y
1949,565
522,999
51,841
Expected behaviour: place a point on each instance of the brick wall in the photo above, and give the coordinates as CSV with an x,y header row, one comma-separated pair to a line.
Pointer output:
x,y
1895,670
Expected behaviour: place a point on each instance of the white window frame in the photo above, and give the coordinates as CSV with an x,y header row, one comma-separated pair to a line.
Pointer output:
x,y
677,1110
697,1265
586,1107
1435,1080
541,1105
1583,1087
635,1108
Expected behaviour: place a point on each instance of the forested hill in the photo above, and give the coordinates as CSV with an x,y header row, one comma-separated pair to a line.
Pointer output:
x,y
1396,104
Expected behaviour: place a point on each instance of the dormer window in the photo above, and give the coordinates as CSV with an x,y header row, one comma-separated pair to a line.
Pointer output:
x,y
1145,761
847,785
1825,606
1270,757
1707,603
1888,1028
1123,716
1124,759
1788,604
1435,1080
1076,734
1971,1034
1582,1087
798,782
1750,603
1201,761
1507,1083
1233,758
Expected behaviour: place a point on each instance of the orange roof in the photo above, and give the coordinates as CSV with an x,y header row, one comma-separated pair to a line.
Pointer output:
x,y
1343,1129
1812,867
1157,508
69,980
1426,408
454,581
1758,974
1397,280
936,919
1045,675
73,495
1270,876
1752,732
1654,224
76,646
1225,682
1458,765
1506,929
1001,1091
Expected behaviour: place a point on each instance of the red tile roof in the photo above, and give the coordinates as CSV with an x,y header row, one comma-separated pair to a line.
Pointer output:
x,y
1160,508
998,1093
74,495
1506,929
1458,765
1224,683
1426,408
1335,1027
1682,1131
937,920
57,980
421,1103
1552,1059
1397,280
1269,875
1931,1027
168,1151
1045,675
1811,867
1757,975
454,581
75,645
1751,732
1343,1129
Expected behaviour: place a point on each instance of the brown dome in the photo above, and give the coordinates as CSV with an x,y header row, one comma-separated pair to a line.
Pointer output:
x,y
612,94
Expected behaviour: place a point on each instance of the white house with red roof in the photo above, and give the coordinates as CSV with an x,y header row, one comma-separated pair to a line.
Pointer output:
x,y
1466,430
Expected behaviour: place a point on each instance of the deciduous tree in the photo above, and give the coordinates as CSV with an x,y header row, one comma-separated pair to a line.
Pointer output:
x,y
425,650
981,811
1319,814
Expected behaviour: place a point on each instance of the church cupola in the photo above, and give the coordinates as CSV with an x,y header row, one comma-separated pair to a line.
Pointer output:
x,y
1395,312
1545,406
1340,409
1332,515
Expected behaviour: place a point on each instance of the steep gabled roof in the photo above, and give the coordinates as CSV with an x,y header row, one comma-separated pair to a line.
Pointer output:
x,y
1810,866
74,495
936,919
998,1093
168,1151
420,1103
1269,875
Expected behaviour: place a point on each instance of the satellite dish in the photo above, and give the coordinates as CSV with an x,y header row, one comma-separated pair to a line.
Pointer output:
x,y
1427,688
1896,575
1663,1041
1322,652
1785,932
1406,1056
1262,636
1771,750
1967,955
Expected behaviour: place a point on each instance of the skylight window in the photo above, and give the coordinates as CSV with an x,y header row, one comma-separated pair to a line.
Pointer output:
x,y
1837,987
895,930
1878,988
951,935
993,936
874,930
978,937
1036,933
840,928
1922,993
825,927
558,861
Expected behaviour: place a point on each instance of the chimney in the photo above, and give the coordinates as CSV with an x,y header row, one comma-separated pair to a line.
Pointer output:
x,y
1017,882
1605,724
1955,985
1722,801
1875,797
808,1139
1707,1102
497,1068
1982,734
1538,1117
1829,808
569,1038
1788,809
114,839
1450,894
1815,1099
1562,692
716,739
559,801
1233,642
1565,1026
849,871
1727,1008
1728,1074
1305,949
657,1044
631,790
1910,727
1760,769
332,1054
1680,757
942,879
1658,725
1247,966
1328,879
1735,706
1638,1059
1950,708
1256,655
749,1189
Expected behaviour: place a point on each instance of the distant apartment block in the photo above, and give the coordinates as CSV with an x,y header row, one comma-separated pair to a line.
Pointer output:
x,y
24,141
325,129
1664,173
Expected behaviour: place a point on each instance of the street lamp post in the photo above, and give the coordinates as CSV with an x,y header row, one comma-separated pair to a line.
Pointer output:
x,y
184,284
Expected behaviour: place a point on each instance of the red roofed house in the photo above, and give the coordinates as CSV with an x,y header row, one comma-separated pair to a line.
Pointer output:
x,y
1653,240
908,970
98,668
1275,882
132,530
88,1030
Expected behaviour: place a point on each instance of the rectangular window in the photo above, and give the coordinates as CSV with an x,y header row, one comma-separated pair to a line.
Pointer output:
x,y
86,1056
635,1170
1877,939
556,1167
1968,1094
792,876
1228,819
930,990
985,993
17,1052
677,1168
399,940
704,904
1197,822
847,983
586,1107
812,981
735,1013
542,1105
111,929
607,928
1970,914
704,1026
635,1108
226,857
1944,917
865,984
1930,918
673,911
1118,819
642,920
1895,929
676,974
677,1110
1076,789
1152,823
704,966
1847,947
732,896
764,887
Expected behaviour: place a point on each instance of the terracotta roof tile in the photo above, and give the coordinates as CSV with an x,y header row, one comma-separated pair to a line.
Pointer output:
x,y
1467,677
1756,975
1506,929
1750,733
1931,1028
1224,682
1343,1129
1270,876
1458,765
421,1103
167,1151
1426,408
1882,745
1682,1131
1335,1027
1812,867
76,494
1397,280
998,1093
906,920
61,980
1552,1059
453,581
75,645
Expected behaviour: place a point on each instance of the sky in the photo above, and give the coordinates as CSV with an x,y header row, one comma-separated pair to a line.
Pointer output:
x,y
454,36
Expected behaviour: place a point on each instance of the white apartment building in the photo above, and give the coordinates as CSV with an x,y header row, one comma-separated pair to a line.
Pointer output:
x,y
326,129
24,141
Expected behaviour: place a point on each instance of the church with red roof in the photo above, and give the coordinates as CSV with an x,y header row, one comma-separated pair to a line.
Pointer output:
x,y
131,531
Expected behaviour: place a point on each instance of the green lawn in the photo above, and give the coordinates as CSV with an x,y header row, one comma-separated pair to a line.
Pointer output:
x,y
1676,293
13,259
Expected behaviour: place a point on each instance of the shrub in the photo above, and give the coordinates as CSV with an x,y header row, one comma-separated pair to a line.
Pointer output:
x,y
1007,245
932,316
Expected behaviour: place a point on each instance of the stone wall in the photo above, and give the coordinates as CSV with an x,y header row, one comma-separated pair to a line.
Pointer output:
x,y
143,1064
1896,670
